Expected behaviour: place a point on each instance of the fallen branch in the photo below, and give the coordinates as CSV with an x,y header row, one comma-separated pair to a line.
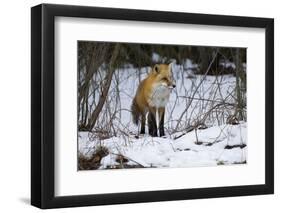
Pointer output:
x,y
128,159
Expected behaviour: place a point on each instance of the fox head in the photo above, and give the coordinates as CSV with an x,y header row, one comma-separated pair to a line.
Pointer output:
x,y
163,75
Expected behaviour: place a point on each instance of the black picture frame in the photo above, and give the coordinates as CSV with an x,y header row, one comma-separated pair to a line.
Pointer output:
x,y
43,102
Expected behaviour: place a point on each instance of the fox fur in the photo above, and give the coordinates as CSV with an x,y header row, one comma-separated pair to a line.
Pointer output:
x,y
151,97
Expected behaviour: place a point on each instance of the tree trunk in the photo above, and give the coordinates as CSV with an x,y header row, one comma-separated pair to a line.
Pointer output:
x,y
91,68
239,109
105,88
204,59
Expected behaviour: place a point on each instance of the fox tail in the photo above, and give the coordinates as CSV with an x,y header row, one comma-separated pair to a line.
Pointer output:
x,y
136,112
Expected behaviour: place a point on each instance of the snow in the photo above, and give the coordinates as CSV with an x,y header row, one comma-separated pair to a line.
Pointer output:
x,y
189,65
196,98
168,152
227,64
156,58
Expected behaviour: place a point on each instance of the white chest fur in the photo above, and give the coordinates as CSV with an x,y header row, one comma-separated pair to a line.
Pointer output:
x,y
159,96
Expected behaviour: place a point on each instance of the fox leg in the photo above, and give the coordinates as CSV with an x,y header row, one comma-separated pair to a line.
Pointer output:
x,y
143,123
152,126
161,114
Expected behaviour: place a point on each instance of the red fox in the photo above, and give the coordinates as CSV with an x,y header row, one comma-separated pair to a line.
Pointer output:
x,y
152,95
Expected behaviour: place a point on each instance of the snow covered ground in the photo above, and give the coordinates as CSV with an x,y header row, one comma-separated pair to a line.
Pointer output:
x,y
218,145
197,98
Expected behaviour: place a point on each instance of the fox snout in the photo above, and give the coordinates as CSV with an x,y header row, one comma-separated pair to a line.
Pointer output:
x,y
172,86
169,85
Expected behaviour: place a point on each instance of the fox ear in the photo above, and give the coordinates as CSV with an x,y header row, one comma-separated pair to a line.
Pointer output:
x,y
170,66
156,68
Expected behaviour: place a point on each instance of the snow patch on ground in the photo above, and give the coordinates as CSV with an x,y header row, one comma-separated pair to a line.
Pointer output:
x,y
168,152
